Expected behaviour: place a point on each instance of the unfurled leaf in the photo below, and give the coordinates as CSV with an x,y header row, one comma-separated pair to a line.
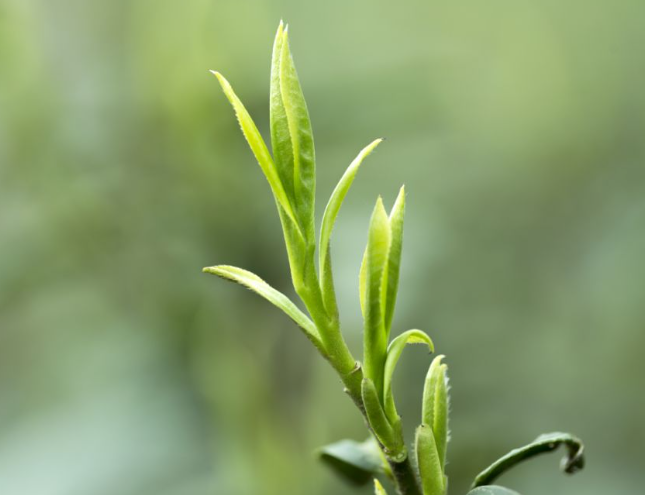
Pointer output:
x,y
291,135
357,462
394,258
259,286
389,435
258,147
492,490
378,488
394,351
435,405
329,218
432,478
571,463
375,279
280,135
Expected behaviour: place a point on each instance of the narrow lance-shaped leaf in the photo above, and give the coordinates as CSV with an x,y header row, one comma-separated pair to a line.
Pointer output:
x,y
435,405
258,147
571,463
432,477
389,437
357,462
302,141
394,351
394,259
280,134
378,488
362,282
374,338
329,218
259,286
492,490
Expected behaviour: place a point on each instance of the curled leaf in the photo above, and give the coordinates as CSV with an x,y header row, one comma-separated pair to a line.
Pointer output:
x,y
394,351
571,463
277,298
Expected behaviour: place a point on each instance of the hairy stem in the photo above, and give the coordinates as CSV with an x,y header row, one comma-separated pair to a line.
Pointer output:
x,y
405,478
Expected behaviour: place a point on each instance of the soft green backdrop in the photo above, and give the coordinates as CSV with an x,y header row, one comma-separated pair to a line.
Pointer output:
x,y
518,128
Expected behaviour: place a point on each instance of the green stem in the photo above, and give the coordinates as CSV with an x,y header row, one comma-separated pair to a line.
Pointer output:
x,y
405,478
349,370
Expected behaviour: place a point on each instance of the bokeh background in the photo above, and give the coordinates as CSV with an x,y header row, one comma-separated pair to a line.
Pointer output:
x,y
517,127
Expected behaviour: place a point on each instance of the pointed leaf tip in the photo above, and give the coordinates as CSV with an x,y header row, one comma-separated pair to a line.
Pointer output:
x,y
378,488
256,284
492,490
329,219
373,287
259,148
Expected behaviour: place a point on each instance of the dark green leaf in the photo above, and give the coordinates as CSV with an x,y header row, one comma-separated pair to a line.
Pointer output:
x,y
357,462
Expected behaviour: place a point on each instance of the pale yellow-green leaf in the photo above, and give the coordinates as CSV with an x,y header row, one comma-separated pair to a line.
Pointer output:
x,y
435,409
393,354
375,339
259,286
378,488
394,258
258,146
432,477
329,218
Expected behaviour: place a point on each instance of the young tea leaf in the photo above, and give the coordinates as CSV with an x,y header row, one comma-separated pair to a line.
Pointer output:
x,y
386,434
435,405
375,278
301,138
571,463
394,259
492,490
357,462
430,469
329,218
259,286
280,135
378,488
394,351
258,147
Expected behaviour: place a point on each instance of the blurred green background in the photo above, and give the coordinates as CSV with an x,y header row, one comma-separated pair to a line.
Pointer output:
x,y
517,127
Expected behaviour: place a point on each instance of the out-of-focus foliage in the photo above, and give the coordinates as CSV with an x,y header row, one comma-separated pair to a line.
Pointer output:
x,y
518,130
